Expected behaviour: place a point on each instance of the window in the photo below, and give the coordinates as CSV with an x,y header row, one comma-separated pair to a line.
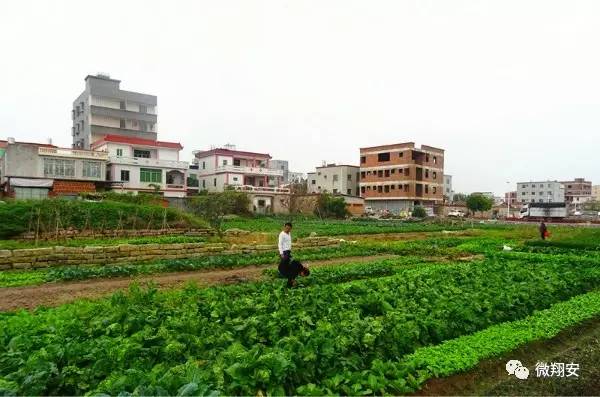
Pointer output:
x,y
434,160
406,187
325,176
313,182
144,126
379,189
533,193
319,173
407,171
204,165
387,173
380,173
426,188
427,158
541,201
215,182
383,157
119,152
393,187
349,177
224,162
134,123
124,175
82,107
362,189
362,174
434,175
203,183
122,123
150,175
363,159
523,193
143,109
59,167
78,111
335,178
434,189
386,189
426,173
401,154
145,154
30,193
122,105
91,169
349,192
235,178
236,162
393,171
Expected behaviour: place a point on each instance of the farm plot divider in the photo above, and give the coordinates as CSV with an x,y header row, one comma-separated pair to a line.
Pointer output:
x,y
127,253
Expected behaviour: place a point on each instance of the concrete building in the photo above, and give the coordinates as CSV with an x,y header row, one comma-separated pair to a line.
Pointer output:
x,y
38,170
335,179
577,192
399,176
104,109
448,191
511,198
540,192
219,168
140,165
596,192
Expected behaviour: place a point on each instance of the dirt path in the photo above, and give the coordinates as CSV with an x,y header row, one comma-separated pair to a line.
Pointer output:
x,y
580,344
54,294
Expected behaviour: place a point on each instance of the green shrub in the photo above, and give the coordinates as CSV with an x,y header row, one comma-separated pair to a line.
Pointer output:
x,y
419,212
48,215
214,206
329,206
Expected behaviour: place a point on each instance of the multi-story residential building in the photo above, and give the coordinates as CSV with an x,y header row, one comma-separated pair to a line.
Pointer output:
x,y
144,165
104,109
511,198
219,168
596,192
397,177
540,192
577,192
282,165
448,191
335,179
38,170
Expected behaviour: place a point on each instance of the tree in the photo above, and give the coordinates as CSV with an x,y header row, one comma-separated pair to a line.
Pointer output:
x,y
478,202
214,206
329,206
419,212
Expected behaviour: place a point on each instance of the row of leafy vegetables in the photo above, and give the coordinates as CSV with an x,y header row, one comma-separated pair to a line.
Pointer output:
x,y
336,335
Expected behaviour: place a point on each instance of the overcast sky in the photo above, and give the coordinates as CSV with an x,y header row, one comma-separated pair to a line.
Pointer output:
x,y
510,89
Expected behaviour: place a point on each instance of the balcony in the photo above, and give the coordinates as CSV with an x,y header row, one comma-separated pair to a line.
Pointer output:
x,y
249,170
72,153
148,162
260,189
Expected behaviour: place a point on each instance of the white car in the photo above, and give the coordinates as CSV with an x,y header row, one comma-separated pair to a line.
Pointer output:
x,y
456,214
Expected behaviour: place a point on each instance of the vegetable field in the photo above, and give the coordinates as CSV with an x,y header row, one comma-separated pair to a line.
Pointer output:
x,y
386,326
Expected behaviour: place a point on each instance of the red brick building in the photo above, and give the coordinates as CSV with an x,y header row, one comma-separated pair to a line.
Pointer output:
x,y
397,177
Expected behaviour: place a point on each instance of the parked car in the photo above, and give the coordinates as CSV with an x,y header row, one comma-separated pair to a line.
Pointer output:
x,y
456,214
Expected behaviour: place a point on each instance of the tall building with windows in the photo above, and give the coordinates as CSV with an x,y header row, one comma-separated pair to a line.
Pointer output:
x,y
104,109
335,179
540,192
399,176
577,192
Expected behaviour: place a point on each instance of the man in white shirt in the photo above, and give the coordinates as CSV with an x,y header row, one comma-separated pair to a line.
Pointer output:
x,y
289,268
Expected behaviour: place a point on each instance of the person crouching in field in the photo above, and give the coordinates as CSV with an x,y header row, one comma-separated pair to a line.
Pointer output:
x,y
288,267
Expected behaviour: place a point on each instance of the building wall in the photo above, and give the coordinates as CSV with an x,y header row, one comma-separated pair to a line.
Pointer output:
x,y
596,192
409,173
540,191
448,190
578,190
339,179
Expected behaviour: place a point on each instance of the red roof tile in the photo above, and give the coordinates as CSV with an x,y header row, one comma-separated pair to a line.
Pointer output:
x,y
137,141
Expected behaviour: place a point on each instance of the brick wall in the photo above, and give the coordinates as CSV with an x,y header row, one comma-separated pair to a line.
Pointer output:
x,y
72,187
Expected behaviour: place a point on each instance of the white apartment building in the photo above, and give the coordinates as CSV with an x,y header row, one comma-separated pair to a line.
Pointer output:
x,y
141,165
220,168
540,192
335,179
448,191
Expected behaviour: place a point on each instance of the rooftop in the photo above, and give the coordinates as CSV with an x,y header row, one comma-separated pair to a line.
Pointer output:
x,y
137,141
229,152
